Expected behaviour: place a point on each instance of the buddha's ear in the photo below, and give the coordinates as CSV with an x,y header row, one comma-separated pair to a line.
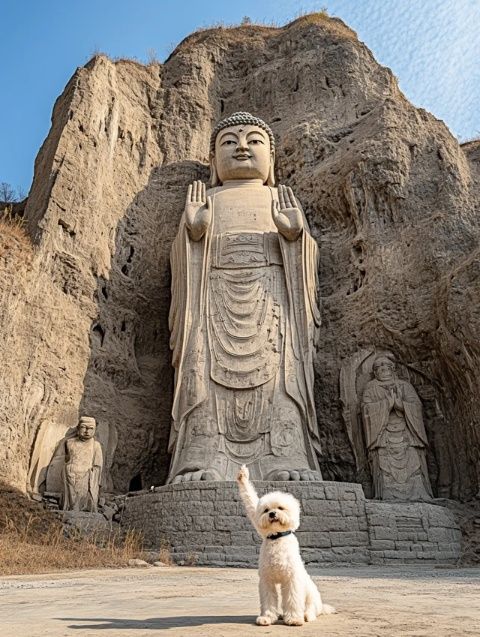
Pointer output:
x,y
271,172
213,172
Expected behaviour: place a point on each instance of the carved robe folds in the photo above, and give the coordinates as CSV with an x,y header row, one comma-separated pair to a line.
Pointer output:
x,y
243,320
82,474
396,441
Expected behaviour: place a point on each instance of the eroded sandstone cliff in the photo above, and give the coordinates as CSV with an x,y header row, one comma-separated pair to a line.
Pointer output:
x,y
391,197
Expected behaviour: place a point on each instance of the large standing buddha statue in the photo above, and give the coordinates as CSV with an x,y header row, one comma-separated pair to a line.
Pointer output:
x,y
243,319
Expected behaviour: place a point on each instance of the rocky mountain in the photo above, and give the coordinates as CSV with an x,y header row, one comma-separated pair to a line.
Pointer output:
x,y
390,195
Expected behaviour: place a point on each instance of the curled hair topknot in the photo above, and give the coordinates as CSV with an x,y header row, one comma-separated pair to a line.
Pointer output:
x,y
238,119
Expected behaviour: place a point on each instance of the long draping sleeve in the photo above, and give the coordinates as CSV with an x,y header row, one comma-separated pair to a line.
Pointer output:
x,y
300,259
96,473
179,319
189,262
413,414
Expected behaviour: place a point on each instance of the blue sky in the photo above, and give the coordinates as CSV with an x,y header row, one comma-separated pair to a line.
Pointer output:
x,y
432,46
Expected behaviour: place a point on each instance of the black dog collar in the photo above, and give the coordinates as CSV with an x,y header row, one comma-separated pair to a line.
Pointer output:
x,y
275,536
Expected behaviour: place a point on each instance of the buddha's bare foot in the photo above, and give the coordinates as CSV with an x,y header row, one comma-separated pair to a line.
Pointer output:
x,y
295,475
201,474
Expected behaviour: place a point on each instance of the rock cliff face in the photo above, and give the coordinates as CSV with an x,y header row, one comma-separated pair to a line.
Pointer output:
x,y
391,197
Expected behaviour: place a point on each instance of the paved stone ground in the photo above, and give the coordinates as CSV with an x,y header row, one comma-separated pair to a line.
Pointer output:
x,y
372,601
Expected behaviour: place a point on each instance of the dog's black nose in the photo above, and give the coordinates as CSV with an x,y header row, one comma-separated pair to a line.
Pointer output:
x,y
272,514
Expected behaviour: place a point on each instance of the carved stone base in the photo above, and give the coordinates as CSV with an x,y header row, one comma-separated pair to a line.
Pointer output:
x,y
204,523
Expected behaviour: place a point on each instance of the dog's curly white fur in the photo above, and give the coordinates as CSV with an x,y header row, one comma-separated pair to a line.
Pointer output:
x,y
285,587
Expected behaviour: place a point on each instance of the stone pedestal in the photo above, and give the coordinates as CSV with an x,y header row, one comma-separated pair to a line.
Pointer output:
x,y
85,523
205,523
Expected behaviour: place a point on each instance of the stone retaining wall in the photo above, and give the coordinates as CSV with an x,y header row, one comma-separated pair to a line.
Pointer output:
x,y
410,532
205,523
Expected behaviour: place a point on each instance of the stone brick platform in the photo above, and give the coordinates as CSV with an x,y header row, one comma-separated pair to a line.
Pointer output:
x,y
205,523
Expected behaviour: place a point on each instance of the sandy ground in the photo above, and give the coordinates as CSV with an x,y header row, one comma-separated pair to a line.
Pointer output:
x,y
372,601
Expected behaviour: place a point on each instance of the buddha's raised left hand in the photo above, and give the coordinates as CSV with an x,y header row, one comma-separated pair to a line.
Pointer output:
x,y
286,214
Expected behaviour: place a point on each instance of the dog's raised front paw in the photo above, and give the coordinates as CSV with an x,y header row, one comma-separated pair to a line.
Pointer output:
x,y
263,620
243,475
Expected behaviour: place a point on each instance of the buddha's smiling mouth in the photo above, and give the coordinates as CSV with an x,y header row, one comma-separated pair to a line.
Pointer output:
x,y
242,157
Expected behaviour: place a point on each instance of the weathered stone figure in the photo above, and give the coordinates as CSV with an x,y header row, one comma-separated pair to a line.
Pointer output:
x,y
83,468
395,435
243,319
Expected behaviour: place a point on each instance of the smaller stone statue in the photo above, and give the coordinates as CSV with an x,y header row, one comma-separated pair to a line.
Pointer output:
x,y
83,468
395,435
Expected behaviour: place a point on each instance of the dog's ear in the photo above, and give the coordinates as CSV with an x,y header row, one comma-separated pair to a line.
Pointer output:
x,y
295,513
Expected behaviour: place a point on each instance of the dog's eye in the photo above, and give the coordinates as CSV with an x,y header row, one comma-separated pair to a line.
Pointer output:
x,y
266,511
281,508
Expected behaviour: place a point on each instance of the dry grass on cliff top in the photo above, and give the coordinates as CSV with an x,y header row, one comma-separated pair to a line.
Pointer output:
x,y
14,239
237,32
32,541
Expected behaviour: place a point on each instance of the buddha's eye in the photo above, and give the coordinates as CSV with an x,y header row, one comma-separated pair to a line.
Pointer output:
x,y
255,141
229,142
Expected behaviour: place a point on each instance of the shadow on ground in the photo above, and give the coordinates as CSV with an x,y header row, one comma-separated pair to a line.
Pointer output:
x,y
157,623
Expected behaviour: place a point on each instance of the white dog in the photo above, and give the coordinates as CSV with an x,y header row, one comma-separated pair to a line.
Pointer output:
x,y
286,588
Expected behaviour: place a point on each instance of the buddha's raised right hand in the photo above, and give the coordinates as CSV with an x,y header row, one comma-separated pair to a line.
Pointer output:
x,y
198,210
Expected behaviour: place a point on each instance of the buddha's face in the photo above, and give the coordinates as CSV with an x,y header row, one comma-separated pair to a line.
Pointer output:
x,y
86,430
242,152
383,369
